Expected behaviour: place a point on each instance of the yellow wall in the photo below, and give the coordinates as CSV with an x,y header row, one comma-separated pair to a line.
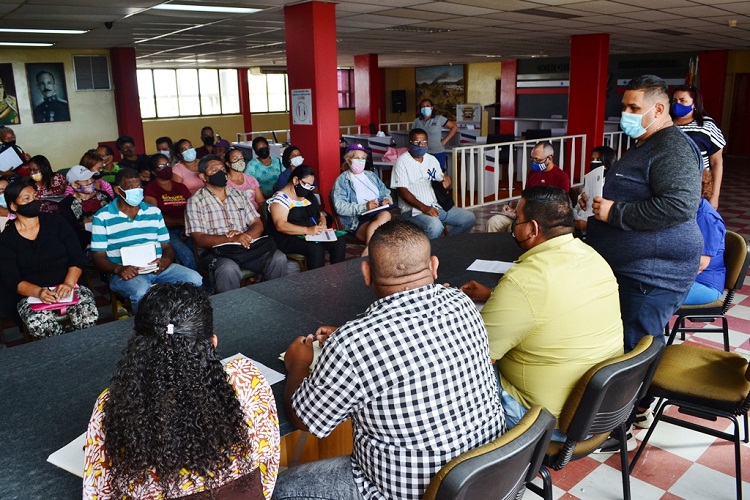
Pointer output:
x,y
400,79
738,61
92,113
481,80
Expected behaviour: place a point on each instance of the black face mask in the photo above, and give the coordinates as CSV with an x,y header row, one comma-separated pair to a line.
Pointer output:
x,y
301,191
263,153
31,209
9,144
97,175
219,179
208,141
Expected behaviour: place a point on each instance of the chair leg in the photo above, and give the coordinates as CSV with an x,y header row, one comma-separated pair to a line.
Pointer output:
x,y
725,332
546,483
660,405
747,436
622,433
737,458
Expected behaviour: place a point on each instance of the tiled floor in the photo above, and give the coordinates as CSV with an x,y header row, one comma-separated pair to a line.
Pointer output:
x,y
678,463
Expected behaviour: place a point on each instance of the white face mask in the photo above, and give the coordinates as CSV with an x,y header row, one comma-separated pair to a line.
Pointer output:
x,y
297,161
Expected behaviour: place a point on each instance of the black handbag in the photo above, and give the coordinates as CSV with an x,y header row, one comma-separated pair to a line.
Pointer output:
x,y
443,195
253,259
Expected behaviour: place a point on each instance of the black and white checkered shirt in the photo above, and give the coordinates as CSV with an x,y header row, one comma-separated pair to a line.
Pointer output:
x,y
414,374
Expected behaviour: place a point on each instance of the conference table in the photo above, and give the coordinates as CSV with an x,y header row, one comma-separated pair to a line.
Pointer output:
x,y
48,388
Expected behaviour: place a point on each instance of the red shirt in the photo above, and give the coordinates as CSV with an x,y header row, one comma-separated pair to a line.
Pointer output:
x,y
553,177
172,203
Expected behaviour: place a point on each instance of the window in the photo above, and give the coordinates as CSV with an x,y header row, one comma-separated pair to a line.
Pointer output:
x,y
346,88
268,93
188,92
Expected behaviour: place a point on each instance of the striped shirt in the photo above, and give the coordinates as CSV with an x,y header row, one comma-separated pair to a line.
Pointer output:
x,y
417,178
206,214
113,230
708,138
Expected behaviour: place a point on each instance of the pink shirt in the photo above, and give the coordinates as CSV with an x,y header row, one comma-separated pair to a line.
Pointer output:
x,y
189,178
249,184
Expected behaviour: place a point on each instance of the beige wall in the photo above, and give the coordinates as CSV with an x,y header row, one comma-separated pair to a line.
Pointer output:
x,y
92,113
400,79
738,61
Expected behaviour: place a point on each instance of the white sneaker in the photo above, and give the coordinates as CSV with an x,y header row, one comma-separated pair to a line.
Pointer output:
x,y
645,419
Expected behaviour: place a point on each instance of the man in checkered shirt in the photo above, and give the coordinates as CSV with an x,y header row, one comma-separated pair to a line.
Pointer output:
x,y
413,374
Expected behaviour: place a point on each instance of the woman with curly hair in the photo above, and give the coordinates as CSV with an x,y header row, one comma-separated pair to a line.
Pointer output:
x,y
174,421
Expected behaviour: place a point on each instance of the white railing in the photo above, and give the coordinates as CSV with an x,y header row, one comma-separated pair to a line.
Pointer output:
x,y
350,129
270,135
617,141
389,127
478,168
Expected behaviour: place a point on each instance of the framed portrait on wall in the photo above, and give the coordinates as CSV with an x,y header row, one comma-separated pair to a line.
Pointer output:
x,y
9,113
48,92
443,85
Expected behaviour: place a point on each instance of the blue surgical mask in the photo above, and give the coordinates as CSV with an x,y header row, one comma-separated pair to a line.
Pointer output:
x,y
133,197
426,111
166,152
631,123
189,154
680,110
418,151
538,167
2,201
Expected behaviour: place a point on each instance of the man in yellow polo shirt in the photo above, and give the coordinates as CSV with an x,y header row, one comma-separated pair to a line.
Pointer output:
x,y
555,314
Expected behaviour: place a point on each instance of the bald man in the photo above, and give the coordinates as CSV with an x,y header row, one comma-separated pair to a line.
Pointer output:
x,y
543,170
413,373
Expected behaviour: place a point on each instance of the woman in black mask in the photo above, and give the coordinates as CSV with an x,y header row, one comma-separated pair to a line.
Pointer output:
x,y
263,167
295,214
43,261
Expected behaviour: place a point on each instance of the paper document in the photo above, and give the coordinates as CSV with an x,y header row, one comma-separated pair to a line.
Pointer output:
x,y
490,266
140,256
327,235
229,243
593,185
63,300
316,354
70,457
272,376
378,209
9,159
3,223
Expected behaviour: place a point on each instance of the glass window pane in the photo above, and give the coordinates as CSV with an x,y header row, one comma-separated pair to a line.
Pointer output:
x,y
146,93
210,98
187,92
165,84
230,91
277,93
258,93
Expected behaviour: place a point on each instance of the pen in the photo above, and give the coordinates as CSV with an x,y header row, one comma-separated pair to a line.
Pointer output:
x,y
313,221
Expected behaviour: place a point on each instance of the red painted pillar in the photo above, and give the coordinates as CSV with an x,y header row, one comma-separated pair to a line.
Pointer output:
x,y
712,73
508,84
127,105
367,90
242,81
589,63
311,61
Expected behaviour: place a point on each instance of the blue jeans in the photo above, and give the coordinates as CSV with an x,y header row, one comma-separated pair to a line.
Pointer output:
x,y
183,253
514,411
460,221
135,288
701,294
329,479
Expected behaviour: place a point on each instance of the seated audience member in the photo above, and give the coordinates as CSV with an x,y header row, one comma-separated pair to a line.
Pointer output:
x,y
216,215
543,171
109,167
130,159
144,172
293,212
42,259
94,162
357,190
128,221
185,170
291,158
47,184
174,422
553,315
8,141
221,147
164,146
79,207
413,175
208,138
416,362
4,183
171,198
263,167
712,271
235,162
601,156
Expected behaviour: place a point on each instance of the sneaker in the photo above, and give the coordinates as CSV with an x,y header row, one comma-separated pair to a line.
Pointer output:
x,y
645,419
612,444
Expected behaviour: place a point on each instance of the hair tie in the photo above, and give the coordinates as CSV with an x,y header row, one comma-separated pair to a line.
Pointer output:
x,y
170,329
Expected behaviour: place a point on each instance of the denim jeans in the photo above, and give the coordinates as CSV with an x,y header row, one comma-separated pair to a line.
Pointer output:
x,y
183,253
329,479
701,294
459,221
442,158
135,288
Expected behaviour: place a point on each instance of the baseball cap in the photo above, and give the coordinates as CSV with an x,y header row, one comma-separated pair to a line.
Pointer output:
x,y
222,144
78,173
357,147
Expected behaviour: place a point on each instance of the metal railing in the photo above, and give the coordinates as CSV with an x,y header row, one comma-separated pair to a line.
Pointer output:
x,y
350,129
617,141
477,168
271,135
389,127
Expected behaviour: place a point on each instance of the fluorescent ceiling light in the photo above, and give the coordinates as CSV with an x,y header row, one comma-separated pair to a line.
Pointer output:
x,y
205,8
43,31
25,44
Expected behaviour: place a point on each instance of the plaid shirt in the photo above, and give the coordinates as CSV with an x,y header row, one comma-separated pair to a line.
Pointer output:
x,y
206,214
414,374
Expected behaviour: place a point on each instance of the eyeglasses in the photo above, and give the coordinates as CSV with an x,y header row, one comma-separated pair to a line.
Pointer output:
x,y
162,165
419,143
538,160
307,186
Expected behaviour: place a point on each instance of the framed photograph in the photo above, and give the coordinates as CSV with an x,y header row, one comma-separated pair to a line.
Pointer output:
x,y
48,92
9,113
443,85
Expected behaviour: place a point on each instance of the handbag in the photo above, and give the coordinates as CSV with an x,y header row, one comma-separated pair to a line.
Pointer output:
x,y
443,195
62,307
253,258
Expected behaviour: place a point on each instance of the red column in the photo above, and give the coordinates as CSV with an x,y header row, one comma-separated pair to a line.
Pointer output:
x,y
383,103
589,63
712,73
242,81
366,90
311,62
127,103
508,80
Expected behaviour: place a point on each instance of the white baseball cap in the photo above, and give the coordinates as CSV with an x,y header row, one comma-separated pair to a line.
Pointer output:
x,y
78,173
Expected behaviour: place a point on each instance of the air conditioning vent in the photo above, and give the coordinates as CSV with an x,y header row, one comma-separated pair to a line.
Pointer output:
x,y
91,73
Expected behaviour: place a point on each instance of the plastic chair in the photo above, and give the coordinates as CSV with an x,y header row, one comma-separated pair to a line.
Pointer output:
x,y
705,383
599,405
499,469
736,259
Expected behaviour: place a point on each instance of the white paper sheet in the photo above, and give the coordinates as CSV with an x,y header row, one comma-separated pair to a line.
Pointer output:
x,y
490,266
9,159
63,300
316,354
140,256
593,185
70,457
327,235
